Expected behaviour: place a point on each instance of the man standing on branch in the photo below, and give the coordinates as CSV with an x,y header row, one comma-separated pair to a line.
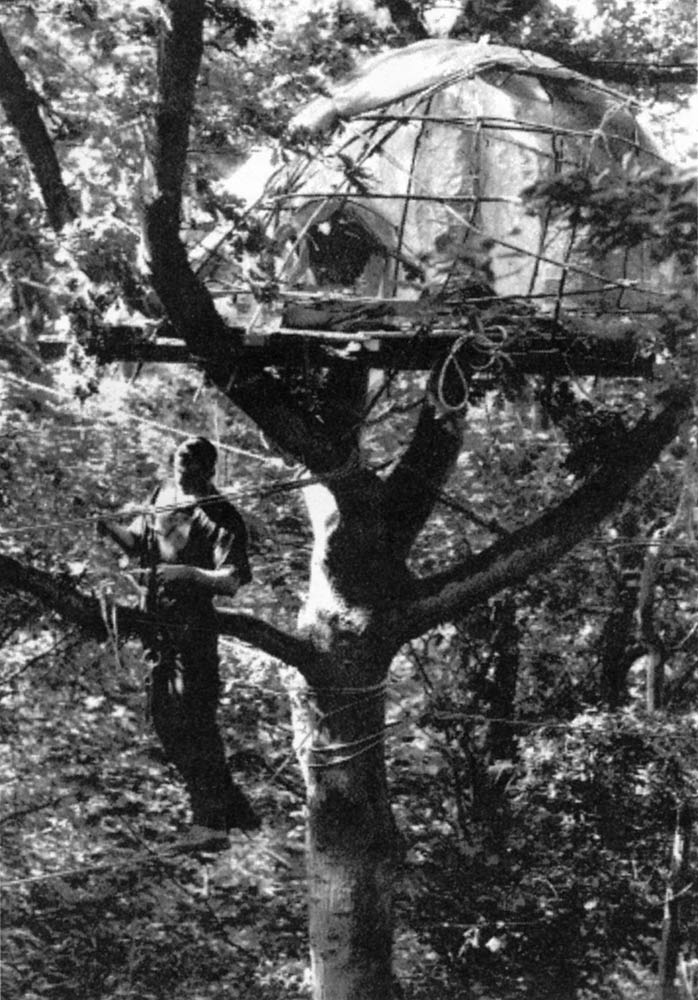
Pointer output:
x,y
192,545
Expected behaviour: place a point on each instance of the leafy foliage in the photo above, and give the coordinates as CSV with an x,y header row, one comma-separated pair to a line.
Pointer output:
x,y
565,881
643,206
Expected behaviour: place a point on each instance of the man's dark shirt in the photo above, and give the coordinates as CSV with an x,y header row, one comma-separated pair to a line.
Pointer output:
x,y
207,533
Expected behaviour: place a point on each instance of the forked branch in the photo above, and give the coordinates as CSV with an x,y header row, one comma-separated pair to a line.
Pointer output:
x,y
539,545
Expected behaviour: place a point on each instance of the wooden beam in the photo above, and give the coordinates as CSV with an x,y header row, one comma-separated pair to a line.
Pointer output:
x,y
532,354
126,347
545,351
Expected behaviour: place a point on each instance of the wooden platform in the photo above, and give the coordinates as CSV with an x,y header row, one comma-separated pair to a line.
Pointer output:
x,y
487,335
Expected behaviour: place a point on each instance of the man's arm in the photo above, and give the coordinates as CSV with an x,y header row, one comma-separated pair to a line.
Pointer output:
x,y
232,550
126,538
223,581
229,548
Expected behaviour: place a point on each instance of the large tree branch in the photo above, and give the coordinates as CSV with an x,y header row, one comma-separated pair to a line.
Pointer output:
x,y
641,73
21,105
188,304
60,596
539,545
179,59
186,301
414,486
293,650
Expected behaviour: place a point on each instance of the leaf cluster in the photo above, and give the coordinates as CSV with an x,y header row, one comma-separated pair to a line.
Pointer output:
x,y
653,207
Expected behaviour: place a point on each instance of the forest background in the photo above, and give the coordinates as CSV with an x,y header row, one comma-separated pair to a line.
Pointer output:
x,y
553,800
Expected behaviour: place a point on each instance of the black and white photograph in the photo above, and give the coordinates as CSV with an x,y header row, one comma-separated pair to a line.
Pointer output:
x,y
348,500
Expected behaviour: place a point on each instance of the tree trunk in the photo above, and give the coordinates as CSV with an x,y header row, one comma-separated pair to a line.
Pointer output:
x,y
350,838
339,730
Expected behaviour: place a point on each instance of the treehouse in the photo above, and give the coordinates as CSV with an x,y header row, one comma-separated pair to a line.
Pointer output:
x,y
400,230
400,233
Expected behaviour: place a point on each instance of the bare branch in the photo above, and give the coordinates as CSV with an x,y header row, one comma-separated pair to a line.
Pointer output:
x,y
641,73
60,595
21,105
415,485
540,544
293,650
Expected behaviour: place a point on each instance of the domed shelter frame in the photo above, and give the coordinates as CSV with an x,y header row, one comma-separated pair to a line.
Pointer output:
x,y
401,228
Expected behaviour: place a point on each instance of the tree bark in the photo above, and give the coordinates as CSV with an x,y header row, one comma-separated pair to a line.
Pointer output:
x,y
21,105
339,732
414,486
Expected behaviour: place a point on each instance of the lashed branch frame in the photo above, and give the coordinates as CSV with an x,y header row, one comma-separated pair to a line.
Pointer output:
x,y
355,128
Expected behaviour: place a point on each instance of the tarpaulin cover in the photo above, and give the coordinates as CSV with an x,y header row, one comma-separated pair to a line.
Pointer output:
x,y
426,150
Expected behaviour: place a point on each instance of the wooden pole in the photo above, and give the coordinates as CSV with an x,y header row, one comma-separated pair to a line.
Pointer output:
x,y
677,890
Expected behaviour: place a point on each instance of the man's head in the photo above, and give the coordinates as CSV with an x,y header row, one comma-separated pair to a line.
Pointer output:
x,y
195,461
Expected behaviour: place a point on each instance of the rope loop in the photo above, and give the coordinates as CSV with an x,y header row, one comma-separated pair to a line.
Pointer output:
x,y
451,363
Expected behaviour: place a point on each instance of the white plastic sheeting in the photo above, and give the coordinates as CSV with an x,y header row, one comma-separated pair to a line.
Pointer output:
x,y
428,148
